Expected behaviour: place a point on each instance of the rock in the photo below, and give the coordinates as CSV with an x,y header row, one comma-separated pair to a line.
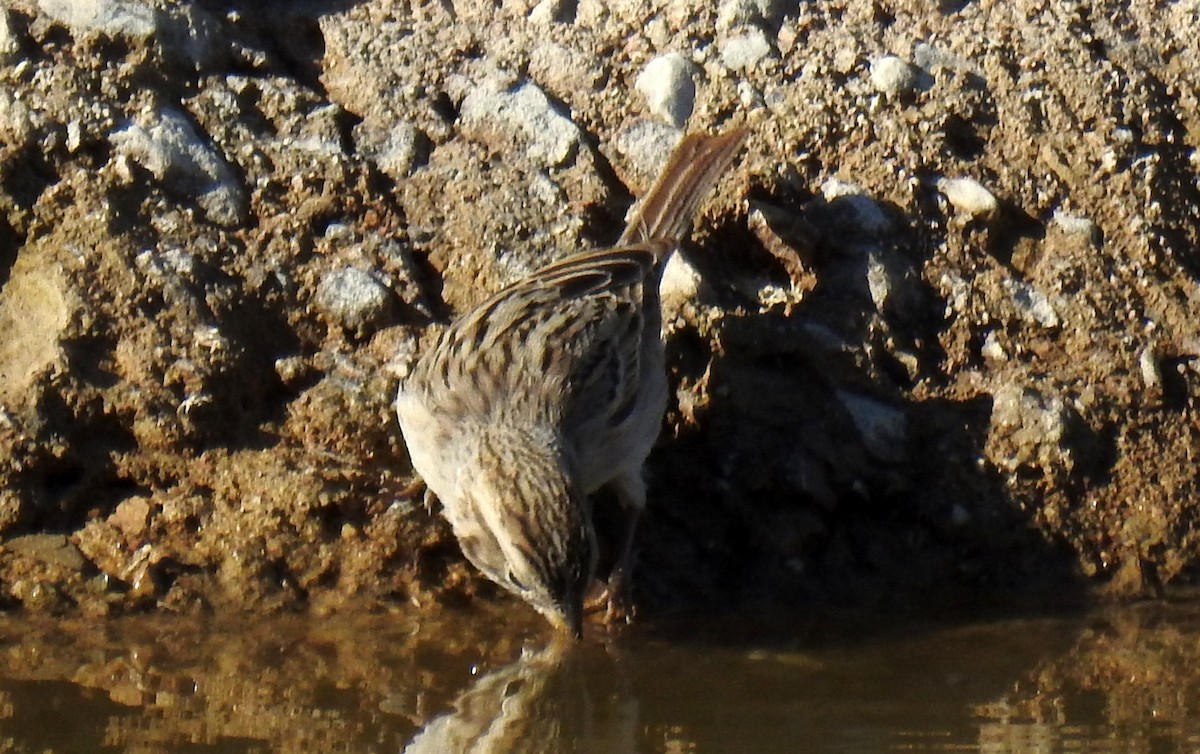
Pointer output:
x,y
1074,224
1032,426
883,428
396,150
892,75
646,144
38,596
852,203
680,285
744,50
969,196
13,509
354,299
51,550
166,143
668,87
131,517
1033,305
734,13
564,70
113,18
522,114
19,124
183,32
1148,364
36,308
10,44
552,11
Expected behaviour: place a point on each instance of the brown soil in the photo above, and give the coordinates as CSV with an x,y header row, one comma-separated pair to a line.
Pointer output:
x,y
880,390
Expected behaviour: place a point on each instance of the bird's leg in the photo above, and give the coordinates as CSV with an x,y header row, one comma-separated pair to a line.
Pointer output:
x,y
417,488
631,498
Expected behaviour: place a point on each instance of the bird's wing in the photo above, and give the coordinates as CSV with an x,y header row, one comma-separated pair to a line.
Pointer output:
x,y
564,341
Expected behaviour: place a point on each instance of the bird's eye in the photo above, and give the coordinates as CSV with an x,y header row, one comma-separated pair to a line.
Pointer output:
x,y
512,579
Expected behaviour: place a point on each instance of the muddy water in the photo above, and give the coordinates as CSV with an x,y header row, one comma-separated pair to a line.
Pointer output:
x,y
1121,680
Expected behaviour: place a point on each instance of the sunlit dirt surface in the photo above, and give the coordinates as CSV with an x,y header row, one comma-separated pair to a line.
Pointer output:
x,y
1120,680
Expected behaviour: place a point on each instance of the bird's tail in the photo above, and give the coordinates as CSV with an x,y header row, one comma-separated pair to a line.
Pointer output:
x,y
668,209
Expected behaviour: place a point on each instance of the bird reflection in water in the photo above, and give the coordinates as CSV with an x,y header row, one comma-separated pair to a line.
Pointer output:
x,y
557,699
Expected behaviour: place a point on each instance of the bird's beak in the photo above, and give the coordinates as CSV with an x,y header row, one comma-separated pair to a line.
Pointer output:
x,y
569,618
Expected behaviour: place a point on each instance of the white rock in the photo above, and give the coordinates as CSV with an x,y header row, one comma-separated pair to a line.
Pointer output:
x,y
1074,224
10,45
1034,423
552,11
19,124
992,349
891,75
744,50
668,88
969,196
1150,369
733,13
879,281
646,144
166,144
354,299
524,112
396,150
866,213
679,286
115,18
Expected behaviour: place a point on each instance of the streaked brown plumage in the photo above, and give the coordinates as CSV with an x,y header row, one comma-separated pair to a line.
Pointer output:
x,y
551,389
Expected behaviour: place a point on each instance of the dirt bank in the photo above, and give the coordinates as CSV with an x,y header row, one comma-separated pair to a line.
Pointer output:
x,y
938,331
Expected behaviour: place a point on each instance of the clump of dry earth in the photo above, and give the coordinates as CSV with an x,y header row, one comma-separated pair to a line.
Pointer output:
x,y
938,332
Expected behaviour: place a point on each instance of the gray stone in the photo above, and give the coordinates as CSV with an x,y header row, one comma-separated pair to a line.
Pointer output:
x,y
10,44
354,299
525,114
668,88
114,18
396,150
169,146
646,144
745,50
734,13
861,210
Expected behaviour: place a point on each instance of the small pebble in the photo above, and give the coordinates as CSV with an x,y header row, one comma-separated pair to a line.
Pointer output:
x,y
10,44
1151,372
552,11
865,213
1074,224
969,196
891,75
354,299
668,88
646,144
396,150
744,50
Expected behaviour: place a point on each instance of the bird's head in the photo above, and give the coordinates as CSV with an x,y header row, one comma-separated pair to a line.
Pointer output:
x,y
522,521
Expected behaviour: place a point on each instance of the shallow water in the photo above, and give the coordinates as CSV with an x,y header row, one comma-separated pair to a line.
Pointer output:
x,y
1118,680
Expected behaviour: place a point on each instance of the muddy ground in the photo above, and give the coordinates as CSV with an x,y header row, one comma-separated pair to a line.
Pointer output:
x,y
937,334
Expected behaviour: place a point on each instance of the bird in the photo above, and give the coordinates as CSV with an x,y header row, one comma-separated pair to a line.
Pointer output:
x,y
551,389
